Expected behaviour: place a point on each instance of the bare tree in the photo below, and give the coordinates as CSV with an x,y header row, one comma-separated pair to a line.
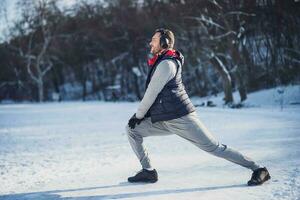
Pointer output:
x,y
39,35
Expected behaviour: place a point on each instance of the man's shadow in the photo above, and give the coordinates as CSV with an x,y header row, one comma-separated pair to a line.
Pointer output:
x,y
54,194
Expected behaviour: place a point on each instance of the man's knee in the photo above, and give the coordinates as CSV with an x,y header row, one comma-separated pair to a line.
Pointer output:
x,y
131,132
218,149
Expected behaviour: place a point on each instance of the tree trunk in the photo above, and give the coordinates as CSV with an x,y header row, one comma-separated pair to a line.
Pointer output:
x,y
137,87
237,60
227,87
83,90
40,85
241,85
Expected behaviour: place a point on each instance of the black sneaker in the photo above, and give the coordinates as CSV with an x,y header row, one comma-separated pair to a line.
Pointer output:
x,y
259,176
146,176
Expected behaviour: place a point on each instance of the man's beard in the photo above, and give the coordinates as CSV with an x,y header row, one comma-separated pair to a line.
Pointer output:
x,y
154,51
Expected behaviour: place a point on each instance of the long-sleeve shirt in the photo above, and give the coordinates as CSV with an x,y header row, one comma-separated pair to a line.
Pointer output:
x,y
165,71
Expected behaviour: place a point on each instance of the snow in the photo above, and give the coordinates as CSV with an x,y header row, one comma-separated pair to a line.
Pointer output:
x,y
79,151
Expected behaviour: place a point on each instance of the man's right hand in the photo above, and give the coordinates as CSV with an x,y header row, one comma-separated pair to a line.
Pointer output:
x,y
133,121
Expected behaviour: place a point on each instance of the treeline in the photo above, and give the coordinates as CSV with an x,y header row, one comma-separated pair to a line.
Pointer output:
x,y
98,50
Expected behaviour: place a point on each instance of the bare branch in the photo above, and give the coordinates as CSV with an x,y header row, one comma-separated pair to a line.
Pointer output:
x,y
204,19
291,59
30,72
221,64
123,37
119,57
218,37
240,13
3,84
292,50
47,69
224,55
215,3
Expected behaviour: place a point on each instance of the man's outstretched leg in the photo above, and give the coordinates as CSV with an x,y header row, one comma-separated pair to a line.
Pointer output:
x,y
192,129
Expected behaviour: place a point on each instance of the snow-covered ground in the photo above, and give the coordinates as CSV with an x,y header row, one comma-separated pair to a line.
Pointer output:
x,y
80,151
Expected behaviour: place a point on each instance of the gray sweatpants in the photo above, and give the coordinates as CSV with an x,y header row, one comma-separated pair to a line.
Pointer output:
x,y
190,128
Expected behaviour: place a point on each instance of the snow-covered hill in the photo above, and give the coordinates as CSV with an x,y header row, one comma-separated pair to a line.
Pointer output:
x,y
79,151
275,97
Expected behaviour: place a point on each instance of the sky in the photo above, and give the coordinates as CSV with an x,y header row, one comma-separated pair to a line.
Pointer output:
x,y
7,15
9,12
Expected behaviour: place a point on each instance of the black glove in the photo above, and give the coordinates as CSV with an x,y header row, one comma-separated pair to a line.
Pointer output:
x,y
133,121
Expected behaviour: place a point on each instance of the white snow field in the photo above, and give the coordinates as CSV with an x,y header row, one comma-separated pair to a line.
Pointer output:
x,y
79,151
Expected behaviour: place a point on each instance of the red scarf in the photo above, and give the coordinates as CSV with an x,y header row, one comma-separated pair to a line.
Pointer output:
x,y
171,53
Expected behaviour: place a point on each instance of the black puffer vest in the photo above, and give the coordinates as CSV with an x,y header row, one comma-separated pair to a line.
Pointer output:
x,y
172,102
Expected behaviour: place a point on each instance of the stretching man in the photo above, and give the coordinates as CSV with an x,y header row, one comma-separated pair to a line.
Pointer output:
x,y
166,109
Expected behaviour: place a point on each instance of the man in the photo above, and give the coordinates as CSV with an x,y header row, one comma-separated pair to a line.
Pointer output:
x,y
166,109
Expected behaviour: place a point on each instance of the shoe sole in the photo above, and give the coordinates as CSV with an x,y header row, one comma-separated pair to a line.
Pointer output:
x,y
268,177
144,181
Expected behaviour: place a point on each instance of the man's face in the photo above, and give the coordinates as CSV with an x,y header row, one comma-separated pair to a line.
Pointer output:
x,y
155,44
